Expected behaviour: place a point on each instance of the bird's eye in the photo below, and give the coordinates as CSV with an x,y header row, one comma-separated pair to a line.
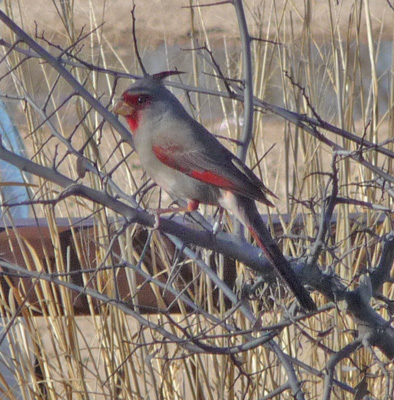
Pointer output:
x,y
141,100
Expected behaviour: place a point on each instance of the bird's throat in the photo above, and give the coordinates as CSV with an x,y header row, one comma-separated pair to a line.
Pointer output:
x,y
133,121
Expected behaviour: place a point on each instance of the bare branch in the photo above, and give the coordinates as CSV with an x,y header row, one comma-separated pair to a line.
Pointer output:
x,y
293,381
390,5
212,61
218,3
108,116
305,122
382,272
247,133
332,363
326,216
222,242
210,324
105,300
372,328
137,52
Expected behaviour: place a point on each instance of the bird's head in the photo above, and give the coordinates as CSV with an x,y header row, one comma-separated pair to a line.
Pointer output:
x,y
146,98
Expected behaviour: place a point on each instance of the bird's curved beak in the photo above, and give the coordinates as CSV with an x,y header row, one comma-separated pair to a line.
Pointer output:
x,y
122,108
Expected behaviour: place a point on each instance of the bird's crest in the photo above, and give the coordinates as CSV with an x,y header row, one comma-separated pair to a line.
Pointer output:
x,y
164,74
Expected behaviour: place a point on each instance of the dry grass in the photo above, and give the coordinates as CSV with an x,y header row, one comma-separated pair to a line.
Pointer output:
x,y
337,53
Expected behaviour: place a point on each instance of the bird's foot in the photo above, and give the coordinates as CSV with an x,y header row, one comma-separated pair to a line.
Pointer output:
x,y
157,212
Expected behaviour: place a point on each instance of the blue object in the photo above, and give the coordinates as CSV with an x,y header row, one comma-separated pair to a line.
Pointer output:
x,y
12,141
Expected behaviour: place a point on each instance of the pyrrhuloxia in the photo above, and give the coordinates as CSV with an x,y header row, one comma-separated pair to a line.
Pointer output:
x,y
188,162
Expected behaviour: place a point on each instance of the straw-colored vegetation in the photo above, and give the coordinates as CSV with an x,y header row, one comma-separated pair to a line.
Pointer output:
x,y
147,319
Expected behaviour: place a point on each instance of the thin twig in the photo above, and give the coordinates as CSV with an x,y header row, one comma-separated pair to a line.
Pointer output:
x,y
247,130
382,272
218,3
332,363
137,52
325,218
57,65
302,120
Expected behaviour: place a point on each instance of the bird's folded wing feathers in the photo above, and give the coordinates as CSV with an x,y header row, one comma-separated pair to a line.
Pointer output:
x,y
224,170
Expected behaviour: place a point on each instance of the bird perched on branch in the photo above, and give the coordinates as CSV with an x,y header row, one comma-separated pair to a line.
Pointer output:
x,y
188,162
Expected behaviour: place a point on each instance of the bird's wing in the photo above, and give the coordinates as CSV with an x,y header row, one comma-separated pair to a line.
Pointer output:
x,y
223,170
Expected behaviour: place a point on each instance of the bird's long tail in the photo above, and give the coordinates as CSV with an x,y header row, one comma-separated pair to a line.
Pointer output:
x,y
246,211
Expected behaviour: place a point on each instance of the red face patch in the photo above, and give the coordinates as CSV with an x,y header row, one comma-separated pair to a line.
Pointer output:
x,y
137,102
